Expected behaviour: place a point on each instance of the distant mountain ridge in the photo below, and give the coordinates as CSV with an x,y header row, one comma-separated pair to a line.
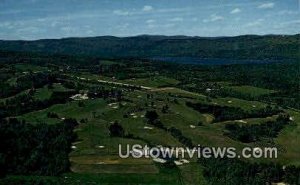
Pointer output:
x,y
239,47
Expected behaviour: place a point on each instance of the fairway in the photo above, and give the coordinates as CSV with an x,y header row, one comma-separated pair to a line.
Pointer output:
x,y
160,92
96,152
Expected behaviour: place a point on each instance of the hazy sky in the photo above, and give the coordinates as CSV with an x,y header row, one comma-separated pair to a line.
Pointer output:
x,y
36,19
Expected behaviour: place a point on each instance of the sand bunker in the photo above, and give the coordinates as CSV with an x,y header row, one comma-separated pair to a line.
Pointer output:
x,y
159,160
192,126
184,161
178,163
79,97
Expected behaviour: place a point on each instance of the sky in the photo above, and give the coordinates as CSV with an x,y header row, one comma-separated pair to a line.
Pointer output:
x,y
41,19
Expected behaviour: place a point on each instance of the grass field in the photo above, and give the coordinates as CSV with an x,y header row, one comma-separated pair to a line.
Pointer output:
x,y
46,92
288,139
251,90
155,81
94,157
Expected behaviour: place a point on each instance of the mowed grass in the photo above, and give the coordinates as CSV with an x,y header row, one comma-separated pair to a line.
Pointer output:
x,y
182,117
251,90
209,134
165,177
95,133
89,158
46,92
19,94
97,152
175,92
155,81
95,158
289,139
135,122
25,67
206,135
250,121
40,93
12,81
192,174
68,110
235,102
91,135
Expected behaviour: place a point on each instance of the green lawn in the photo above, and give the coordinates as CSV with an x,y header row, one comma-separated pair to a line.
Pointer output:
x,y
235,102
155,81
46,92
251,90
68,110
289,140
29,67
95,158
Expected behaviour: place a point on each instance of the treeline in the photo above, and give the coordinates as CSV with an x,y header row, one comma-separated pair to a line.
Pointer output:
x,y
152,117
236,172
102,92
241,47
35,180
94,89
225,113
44,58
229,92
25,103
41,149
180,137
28,81
255,132
282,77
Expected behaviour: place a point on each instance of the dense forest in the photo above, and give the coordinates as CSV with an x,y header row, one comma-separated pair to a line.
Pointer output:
x,y
123,92
35,149
224,113
252,133
241,47
236,172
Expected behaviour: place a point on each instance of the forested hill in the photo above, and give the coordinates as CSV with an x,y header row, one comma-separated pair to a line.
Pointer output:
x,y
240,47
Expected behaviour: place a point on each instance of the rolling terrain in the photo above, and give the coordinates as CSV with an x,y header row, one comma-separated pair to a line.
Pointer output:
x,y
191,109
241,47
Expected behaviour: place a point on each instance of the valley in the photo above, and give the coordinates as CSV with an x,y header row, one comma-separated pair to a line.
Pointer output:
x,y
123,92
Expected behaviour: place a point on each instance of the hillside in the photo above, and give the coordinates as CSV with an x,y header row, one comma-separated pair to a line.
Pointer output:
x,y
240,47
62,124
